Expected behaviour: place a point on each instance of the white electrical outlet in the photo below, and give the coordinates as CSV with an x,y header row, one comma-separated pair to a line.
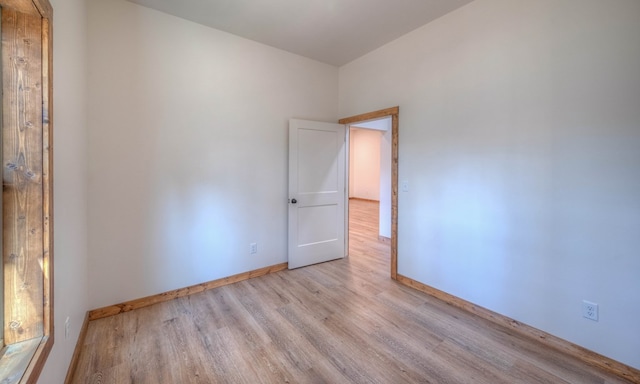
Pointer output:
x,y
253,248
590,310
405,186
67,327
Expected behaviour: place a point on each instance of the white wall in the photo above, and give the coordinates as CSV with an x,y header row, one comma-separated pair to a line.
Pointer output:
x,y
384,187
188,149
384,174
384,215
520,137
364,164
70,182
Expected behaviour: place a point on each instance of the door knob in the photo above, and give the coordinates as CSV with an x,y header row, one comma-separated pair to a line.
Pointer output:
x,y
293,201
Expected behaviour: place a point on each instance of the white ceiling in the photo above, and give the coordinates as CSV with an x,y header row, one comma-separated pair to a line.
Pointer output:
x,y
332,31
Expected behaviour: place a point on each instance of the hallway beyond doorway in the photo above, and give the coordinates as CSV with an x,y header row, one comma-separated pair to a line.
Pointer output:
x,y
363,231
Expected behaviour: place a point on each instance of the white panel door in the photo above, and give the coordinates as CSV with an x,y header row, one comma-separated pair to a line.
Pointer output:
x,y
316,192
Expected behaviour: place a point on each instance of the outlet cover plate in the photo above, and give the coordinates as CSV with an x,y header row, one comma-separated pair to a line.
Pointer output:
x,y
590,310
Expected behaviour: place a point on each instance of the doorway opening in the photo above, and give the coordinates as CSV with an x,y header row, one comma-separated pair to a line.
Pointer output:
x,y
373,175
369,186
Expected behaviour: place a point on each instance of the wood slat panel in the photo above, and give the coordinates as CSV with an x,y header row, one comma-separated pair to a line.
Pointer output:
x,y
22,175
23,6
46,344
30,101
47,170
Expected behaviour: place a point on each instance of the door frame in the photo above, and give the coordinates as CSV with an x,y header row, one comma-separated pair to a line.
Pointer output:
x,y
394,112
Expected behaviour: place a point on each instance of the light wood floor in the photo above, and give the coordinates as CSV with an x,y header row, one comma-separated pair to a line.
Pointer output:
x,y
338,322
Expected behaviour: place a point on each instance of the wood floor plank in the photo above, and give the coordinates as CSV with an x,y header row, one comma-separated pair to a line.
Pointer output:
x,y
343,321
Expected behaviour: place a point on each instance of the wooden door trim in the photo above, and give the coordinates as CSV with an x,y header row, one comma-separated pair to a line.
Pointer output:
x,y
394,112
370,116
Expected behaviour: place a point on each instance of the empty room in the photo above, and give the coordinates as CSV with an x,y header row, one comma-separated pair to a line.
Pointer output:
x,y
182,202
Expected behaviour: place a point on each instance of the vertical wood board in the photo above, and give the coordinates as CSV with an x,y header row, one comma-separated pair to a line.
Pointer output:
x,y
22,162
47,168
22,6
